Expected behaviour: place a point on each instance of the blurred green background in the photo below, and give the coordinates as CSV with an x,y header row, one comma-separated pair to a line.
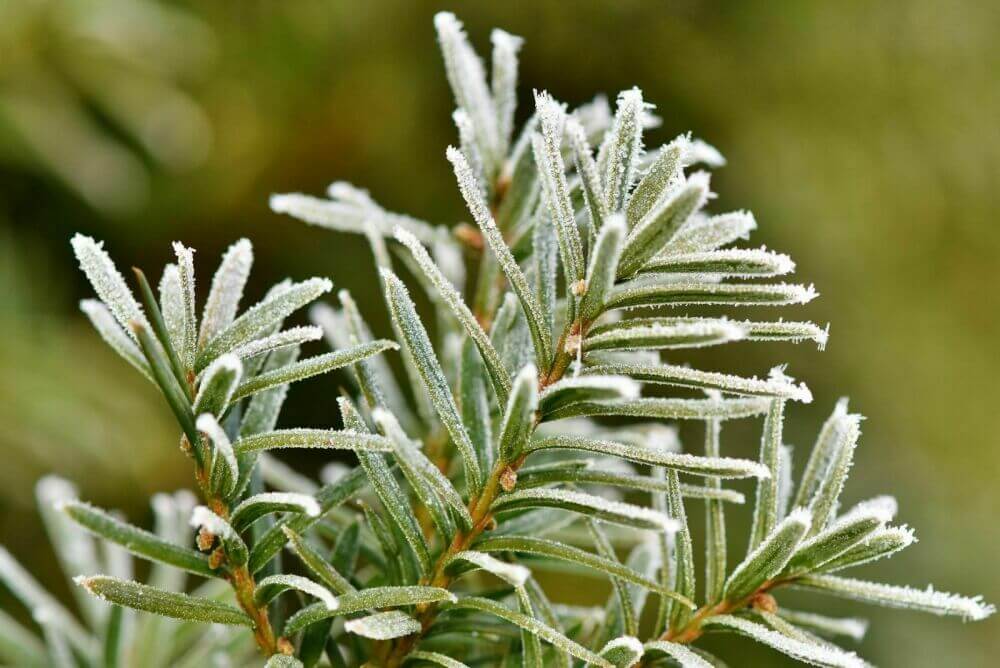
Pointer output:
x,y
864,136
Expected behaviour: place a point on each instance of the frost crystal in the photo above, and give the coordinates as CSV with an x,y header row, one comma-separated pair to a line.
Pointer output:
x,y
108,283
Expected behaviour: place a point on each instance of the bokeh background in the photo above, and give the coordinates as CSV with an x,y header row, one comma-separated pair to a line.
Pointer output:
x,y
864,136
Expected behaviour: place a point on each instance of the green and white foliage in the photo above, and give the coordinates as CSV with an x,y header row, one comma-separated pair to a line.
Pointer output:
x,y
526,429
149,624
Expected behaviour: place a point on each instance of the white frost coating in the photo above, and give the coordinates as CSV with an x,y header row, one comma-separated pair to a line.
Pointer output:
x,y
774,552
728,294
823,452
663,172
734,262
172,305
699,151
630,643
519,283
229,364
680,653
623,511
800,516
843,440
264,316
884,504
970,608
108,283
383,625
305,585
877,509
416,341
622,146
202,517
227,290
546,146
624,650
723,467
823,655
858,514
185,268
777,385
656,333
513,574
604,259
417,467
468,82
470,147
586,168
504,82
289,337
451,296
786,331
712,232
880,544
608,386
670,214
305,503
342,439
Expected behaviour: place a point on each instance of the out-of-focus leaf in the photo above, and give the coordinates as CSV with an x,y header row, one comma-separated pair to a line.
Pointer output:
x,y
137,541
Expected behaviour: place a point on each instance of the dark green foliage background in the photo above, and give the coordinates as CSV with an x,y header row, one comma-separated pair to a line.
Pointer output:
x,y
864,136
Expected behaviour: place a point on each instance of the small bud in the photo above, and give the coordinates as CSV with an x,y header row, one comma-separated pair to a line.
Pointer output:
x,y
285,647
579,288
508,479
469,235
764,602
216,559
205,539
491,524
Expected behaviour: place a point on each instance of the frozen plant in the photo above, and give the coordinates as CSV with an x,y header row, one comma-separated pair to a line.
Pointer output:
x,y
490,461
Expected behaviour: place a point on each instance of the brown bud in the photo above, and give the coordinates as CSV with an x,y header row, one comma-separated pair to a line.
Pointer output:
x,y
508,479
579,288
205,539
217,558
285,647
764,602
491,524
469,235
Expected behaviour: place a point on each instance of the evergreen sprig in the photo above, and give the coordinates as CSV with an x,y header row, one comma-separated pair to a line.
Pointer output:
x,y
489,459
